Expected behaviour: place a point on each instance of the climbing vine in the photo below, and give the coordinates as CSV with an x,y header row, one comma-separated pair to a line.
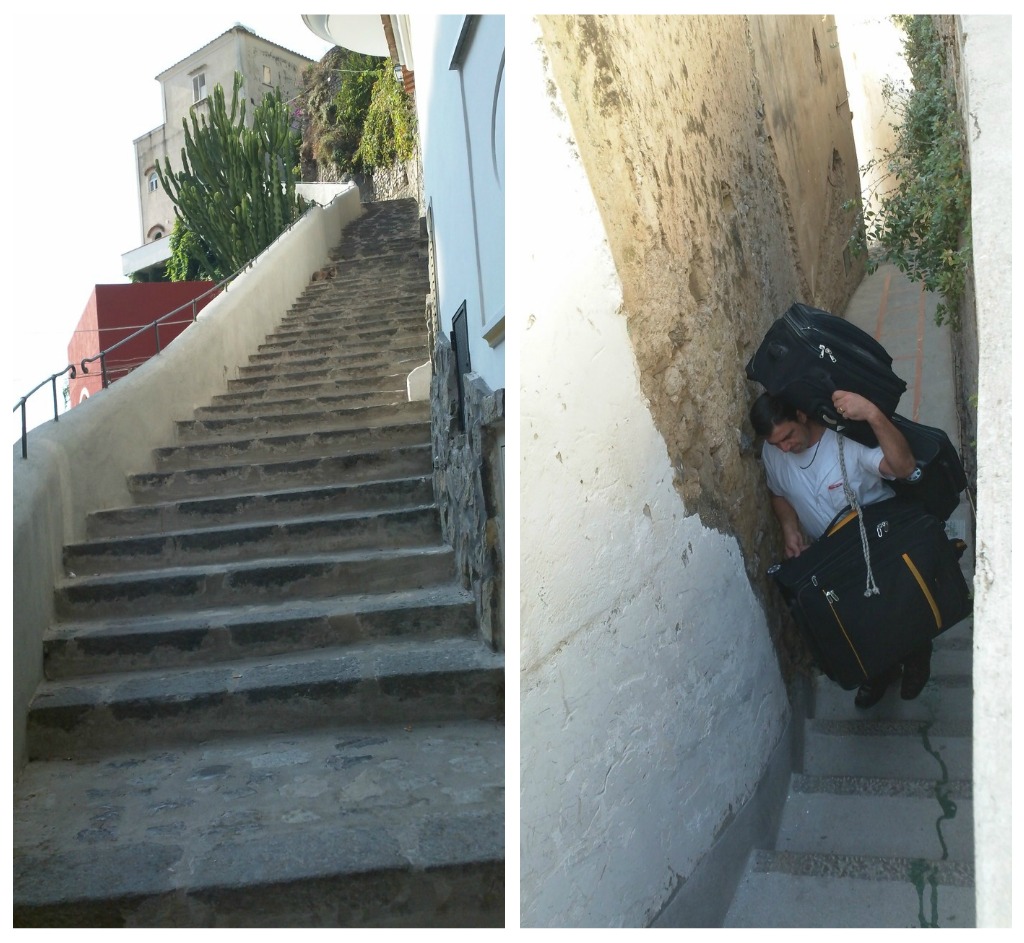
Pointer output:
x,y
355,115
921,224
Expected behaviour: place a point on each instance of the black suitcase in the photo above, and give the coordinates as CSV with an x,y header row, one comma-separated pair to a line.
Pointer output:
x,y
941,477
808,354
915,566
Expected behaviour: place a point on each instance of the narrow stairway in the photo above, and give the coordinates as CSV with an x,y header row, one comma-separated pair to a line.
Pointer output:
x,y
267,702
877,829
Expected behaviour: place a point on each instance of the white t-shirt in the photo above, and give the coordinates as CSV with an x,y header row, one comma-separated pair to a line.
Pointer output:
x,y
816,491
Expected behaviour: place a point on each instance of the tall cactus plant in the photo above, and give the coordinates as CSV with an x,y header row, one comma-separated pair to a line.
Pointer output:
x,y
236,188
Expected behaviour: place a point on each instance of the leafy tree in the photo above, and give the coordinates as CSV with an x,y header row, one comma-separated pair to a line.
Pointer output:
x,y
236,190
922,224
357,116
389,132
186,248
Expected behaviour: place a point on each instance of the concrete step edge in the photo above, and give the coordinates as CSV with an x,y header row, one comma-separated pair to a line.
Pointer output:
x,y
372,659
209,636
862,867
890,728
390,527
307,440
143,484
290,562
880,787
273,498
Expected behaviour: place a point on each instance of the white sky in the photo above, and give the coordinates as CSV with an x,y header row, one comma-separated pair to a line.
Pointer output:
x,y
85,89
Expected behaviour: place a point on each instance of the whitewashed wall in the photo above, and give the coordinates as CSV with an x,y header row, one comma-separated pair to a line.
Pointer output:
x,y
461,119
988,66
650,694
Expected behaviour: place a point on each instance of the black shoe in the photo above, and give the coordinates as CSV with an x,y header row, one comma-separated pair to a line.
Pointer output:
x,y
917,669
873,690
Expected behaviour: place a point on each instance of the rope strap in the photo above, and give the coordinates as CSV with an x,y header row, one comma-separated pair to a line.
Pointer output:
x,y
870,589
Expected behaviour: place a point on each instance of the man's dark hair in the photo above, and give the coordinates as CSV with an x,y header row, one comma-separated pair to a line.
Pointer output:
x,y
768,411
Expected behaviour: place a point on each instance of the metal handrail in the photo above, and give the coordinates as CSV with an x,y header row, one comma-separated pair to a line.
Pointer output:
x,y
21,405
102,356
154,326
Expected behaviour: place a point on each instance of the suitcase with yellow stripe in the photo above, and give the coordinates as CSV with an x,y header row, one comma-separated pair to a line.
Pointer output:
x,y
854,631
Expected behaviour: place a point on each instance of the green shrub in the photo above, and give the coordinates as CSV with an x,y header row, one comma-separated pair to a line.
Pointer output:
x,y
389,133
923,224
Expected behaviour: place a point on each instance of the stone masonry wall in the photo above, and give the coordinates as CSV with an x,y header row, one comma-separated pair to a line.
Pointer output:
x,y
469,484
721,190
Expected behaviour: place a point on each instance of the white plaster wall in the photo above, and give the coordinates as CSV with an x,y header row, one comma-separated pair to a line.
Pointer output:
x,y
988,67
460,180
650,694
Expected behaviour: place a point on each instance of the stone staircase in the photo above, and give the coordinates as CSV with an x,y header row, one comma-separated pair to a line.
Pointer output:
x,y
877,828
266,700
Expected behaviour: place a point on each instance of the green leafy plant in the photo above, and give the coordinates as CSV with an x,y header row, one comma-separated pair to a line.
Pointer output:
x,y
389,133
922,224
186,248
355,114
333,106
236,190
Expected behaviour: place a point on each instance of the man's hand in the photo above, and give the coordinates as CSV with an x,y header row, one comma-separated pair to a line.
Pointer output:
x,y
899,460
793,538
854,406
795,542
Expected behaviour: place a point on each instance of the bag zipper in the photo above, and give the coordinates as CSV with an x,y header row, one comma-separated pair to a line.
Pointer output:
x,y
830,598
936,613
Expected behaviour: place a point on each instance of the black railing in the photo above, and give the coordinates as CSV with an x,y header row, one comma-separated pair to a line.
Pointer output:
x,y
56,412
154,326
102,356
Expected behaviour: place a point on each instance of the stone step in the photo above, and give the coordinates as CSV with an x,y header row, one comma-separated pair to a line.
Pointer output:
x,y
375,683
397,285
310,442
236,479
264,421
249,583
787,889
166,640
398,253
278,351
260,506
342,326
877,817
377,296
341,322
343,358
317,534
348,349
285,403
393,387
944,696
397,826
898,749
370,375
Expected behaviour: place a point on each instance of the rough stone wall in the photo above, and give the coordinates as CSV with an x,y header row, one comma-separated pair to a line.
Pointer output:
x,y
720,154
469,484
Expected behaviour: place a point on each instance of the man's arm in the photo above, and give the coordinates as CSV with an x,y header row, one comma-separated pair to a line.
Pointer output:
x,y
898,461
792,534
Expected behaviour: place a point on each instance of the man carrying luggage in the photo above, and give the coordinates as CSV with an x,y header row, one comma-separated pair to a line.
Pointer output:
x,y
805,478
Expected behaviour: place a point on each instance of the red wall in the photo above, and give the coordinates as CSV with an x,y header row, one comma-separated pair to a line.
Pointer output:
x,y
116,311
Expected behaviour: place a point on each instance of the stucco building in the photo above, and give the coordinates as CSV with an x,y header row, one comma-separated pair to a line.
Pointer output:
x,y
185,88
